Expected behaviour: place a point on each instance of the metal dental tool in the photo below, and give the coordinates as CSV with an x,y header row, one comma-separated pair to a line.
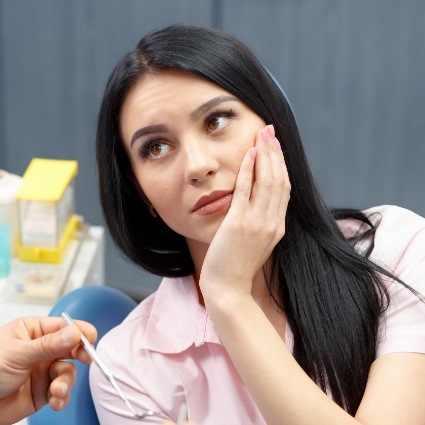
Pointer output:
x,y
107,373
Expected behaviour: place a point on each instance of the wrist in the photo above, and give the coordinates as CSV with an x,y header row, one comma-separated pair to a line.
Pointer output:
x,y
227,303
13,408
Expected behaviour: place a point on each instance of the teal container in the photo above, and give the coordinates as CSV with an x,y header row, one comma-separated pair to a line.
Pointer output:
x,y
5,249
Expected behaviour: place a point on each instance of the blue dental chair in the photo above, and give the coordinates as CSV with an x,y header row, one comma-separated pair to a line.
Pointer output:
x,y
104,307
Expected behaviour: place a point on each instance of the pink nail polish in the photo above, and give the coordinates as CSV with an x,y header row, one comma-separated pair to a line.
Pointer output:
x,y
264,134
271,131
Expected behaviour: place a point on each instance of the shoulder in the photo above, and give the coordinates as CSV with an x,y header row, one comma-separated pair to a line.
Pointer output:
x,y
399,246
400,233
120,349
396,229
130,330
152,324
396,218
399,237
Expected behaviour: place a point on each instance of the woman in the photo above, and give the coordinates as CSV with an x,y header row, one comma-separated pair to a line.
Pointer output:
x,y
272,310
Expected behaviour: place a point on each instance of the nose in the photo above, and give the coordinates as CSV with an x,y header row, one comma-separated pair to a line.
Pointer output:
x,y
200,162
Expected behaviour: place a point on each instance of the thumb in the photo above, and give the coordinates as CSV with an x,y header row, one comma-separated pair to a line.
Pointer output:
x,y
54,345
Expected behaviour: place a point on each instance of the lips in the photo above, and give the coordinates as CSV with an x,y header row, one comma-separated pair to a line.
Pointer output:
x,y
213,202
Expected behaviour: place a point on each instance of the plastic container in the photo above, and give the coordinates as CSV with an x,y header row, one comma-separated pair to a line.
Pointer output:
x,y
46,205
5,250
9,186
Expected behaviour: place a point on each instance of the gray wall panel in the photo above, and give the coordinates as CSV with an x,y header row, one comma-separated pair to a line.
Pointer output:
x,y
354,73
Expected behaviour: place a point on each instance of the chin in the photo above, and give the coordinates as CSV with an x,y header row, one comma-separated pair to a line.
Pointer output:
x,y
202,233
204,237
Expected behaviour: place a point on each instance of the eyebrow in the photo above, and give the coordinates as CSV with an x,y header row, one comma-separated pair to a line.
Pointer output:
x,y
211,104
162,128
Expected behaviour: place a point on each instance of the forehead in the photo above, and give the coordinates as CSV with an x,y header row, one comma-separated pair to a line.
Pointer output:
x,y
170,89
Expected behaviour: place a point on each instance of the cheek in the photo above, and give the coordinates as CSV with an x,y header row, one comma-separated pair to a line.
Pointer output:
x,y
158,188
164,192
239,147
234,162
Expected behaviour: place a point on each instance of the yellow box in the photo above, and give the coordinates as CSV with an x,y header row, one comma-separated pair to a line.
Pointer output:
x,y
46,205
55,254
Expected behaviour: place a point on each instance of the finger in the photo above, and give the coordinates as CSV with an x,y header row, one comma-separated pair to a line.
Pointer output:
x,y
271,187
51,324
286,196
281,185
60,344
81,355
87,329
90,332
63,377
263,184
59,403
53,345
39,326
59,340
243,186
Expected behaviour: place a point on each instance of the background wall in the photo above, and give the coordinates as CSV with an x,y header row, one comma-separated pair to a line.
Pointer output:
x,y
352,69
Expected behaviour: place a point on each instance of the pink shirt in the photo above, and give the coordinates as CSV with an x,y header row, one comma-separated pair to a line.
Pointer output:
x,y
168,343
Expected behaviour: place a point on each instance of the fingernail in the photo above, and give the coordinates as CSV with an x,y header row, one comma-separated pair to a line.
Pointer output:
x,y
67,334
264,134
65,388
271,131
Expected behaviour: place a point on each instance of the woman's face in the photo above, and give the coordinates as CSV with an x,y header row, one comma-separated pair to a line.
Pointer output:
x,y
185,138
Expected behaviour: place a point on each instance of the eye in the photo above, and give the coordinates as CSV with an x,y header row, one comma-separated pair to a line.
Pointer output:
x,y
217,121
154,149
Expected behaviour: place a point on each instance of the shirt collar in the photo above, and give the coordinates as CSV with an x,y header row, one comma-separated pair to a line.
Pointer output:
x,y
177,319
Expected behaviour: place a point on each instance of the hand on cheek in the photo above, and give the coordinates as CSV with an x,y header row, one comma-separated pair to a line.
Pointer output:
x,y
254,223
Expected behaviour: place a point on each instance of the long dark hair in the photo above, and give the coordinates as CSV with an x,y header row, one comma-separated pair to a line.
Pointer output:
x,y
332,296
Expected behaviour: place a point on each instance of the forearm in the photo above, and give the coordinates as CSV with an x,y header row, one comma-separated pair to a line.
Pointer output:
x,y
283,392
